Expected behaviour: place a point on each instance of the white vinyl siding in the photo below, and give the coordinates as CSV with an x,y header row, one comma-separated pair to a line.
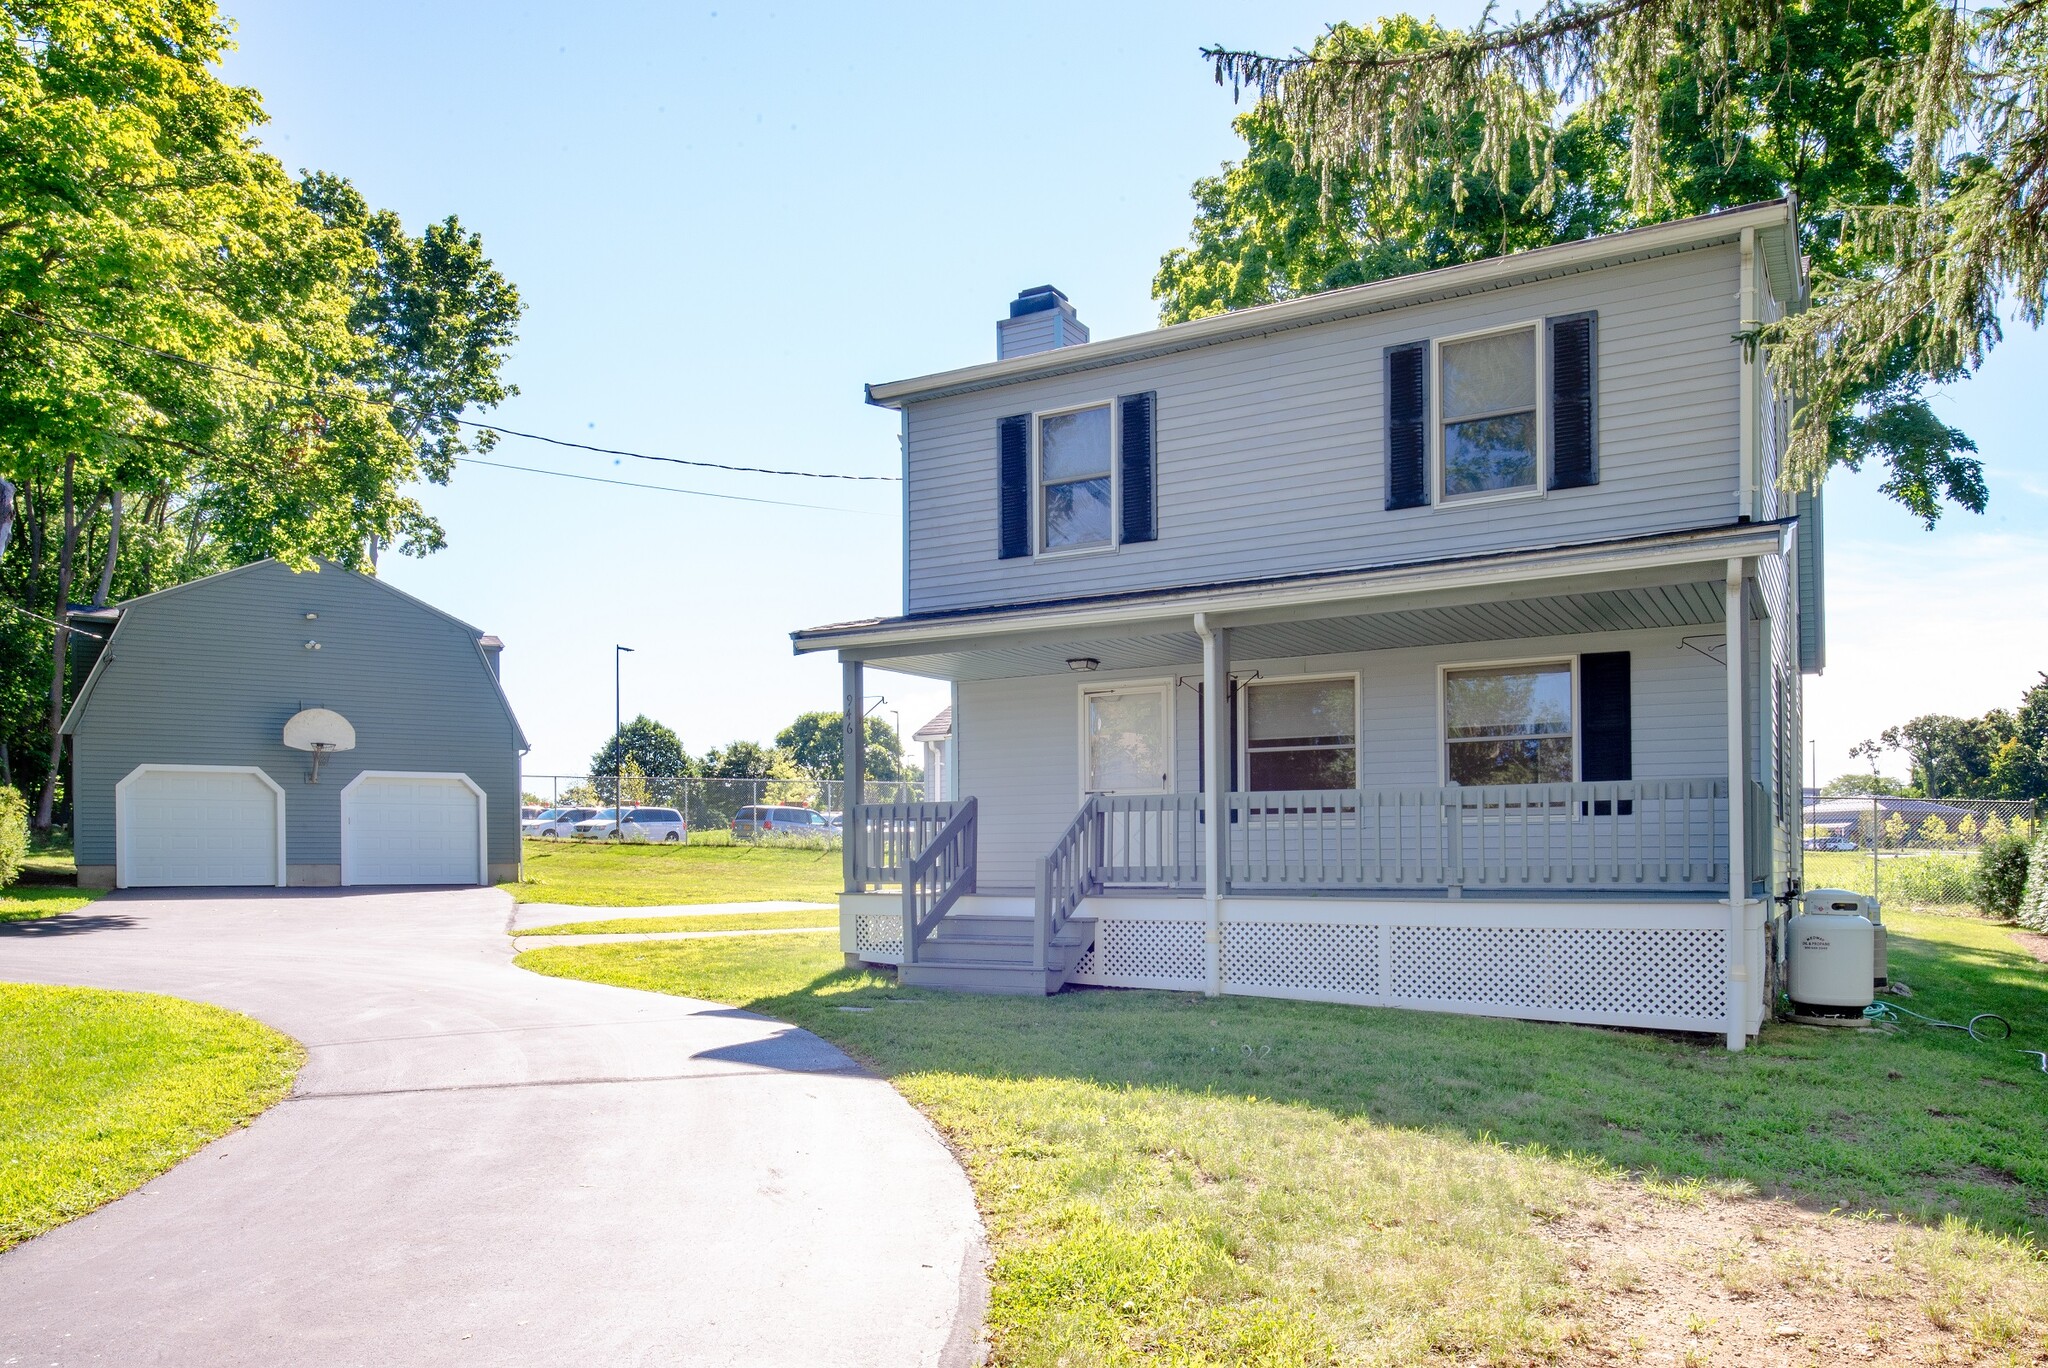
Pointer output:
x,y
1018,751
1309,404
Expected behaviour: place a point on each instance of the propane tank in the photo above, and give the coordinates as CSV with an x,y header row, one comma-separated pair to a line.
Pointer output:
x,y
1828,962
1856,904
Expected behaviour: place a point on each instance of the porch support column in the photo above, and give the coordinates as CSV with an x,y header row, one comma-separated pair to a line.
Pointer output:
x,y
853,735
1215,788
1738,808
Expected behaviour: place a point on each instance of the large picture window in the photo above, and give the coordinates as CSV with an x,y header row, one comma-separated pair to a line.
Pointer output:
x,y
1074,479
1509,724
1301,734
1489,433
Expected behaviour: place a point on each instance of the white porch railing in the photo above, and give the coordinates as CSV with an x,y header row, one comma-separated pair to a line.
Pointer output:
x,y
1647,833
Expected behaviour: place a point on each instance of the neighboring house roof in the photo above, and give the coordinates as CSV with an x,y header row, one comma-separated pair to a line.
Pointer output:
x,y
119,613
1773,221
938,729
1223,595
1848,809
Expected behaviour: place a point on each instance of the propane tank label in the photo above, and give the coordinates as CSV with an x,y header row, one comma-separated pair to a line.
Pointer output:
x,y
1814,943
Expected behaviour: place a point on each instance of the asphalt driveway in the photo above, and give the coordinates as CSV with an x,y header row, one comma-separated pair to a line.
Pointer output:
x,y
483,1165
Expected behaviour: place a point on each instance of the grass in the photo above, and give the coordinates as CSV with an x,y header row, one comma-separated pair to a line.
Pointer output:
x,y
102,1091
703,921
47,886
1167,1178
594,874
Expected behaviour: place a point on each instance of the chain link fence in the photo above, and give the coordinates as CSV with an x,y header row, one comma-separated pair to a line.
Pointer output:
x,y
1908,851
709,804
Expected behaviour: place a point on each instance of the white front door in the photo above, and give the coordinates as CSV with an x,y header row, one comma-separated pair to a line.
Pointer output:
x,y
411,829
197,826
1127,742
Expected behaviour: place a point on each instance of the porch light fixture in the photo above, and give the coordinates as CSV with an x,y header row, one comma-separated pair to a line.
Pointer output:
x,y
1083,664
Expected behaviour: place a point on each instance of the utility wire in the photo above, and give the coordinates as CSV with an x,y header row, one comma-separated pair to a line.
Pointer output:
x,y
60,626
240,374
665,489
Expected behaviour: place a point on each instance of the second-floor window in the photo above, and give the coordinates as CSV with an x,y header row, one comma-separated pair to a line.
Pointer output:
x,y
1075,481
1491,441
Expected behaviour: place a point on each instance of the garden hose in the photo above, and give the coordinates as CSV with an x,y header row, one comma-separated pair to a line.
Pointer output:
x,y
1892,1012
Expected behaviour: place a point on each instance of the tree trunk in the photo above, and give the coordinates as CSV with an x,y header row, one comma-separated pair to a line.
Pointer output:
x,y
47,804
99,600
6,515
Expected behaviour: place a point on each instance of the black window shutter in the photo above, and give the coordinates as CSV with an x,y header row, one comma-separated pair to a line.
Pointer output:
x,y
1408,425
1140,466
1574,401
1013,487
1606,734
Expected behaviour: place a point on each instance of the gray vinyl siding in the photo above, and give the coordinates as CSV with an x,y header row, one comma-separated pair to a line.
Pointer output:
x,y
1271,451
1018,740
208,675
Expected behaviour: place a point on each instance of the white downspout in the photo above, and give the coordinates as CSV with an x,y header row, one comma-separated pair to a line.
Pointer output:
x,y
1215,789
1737,1005
1746,306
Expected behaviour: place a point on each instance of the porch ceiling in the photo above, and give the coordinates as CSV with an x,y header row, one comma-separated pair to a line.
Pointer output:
x,y
1694,603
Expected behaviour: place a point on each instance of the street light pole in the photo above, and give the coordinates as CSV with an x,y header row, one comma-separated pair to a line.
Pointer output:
x,y
618,740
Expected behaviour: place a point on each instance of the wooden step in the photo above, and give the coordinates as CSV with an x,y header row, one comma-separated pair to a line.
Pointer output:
x,y
1006,979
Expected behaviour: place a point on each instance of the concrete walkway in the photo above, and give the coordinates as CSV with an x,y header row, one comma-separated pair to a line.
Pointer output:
x,y
537,941
556,914
488,1166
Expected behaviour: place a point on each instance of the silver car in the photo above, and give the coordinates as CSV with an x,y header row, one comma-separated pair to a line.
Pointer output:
x,y
638,824
556,822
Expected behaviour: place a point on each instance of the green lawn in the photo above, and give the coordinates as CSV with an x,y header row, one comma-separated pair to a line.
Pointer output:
x,y
602,874
1173,1179
102,1091
705,921
28,902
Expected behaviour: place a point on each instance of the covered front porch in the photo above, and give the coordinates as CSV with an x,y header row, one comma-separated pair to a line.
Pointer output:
x,y
1629,891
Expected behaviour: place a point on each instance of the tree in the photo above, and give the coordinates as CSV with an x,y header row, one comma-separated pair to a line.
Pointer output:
x,y
1931,209
194,369
750,760
652,750
813,742
1861,786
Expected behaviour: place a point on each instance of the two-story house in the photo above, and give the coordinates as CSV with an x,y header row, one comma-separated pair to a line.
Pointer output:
x,y
1434,643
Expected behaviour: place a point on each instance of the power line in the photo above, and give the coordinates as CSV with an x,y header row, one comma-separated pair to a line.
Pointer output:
x,y
238,373
665,489
673,460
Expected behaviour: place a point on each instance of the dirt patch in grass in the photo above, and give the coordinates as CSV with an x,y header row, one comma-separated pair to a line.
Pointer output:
x,y
1707,1280
2034,943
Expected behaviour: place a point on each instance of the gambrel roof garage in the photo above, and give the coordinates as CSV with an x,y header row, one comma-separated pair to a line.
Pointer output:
x,y
269,727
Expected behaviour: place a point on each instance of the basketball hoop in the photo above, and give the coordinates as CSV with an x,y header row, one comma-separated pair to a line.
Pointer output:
x,y
321,731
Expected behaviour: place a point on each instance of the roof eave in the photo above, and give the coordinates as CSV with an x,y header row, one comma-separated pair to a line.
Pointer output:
x,y
1329,306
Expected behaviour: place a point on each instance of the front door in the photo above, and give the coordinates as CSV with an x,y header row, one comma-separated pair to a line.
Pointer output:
x,y
1128,740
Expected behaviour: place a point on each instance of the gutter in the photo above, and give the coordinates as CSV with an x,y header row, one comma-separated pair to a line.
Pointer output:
x,y
1713,544
1445,282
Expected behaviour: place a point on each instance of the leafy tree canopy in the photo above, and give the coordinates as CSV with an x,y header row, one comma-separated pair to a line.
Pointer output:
x,y
1907,130
653,749
813,742
1862,785
1999,755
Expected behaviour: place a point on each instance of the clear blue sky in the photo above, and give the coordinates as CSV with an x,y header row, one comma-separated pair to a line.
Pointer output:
x,y
725,218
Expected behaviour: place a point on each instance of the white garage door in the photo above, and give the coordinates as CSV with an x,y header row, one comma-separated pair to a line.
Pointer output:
x,y
411,829
196,828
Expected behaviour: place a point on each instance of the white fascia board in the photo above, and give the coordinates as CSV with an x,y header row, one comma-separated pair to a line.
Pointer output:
x,y
1226,605
1770,218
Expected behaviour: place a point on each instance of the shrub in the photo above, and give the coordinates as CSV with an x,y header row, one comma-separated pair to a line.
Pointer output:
x,y
2034,902
13,834
1999,880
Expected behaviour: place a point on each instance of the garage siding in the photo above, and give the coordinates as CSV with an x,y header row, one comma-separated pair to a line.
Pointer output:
x,y
208,674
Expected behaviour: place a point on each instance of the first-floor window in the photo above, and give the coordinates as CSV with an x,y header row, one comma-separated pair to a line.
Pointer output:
x,y
1509,724
1301,734
1074,471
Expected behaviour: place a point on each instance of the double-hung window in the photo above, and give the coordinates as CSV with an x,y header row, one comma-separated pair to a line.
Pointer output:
x,y
1490,432
1509,724
1301,734
1074,464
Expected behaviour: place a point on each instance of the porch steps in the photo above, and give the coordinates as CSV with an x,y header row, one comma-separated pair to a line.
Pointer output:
x,y
982,953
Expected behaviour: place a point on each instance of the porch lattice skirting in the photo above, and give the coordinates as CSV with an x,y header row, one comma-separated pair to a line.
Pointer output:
x,y
1657,965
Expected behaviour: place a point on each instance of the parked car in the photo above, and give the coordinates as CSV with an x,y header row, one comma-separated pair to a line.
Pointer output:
x,y
638,824
1831,843
751,822
529,811
556,822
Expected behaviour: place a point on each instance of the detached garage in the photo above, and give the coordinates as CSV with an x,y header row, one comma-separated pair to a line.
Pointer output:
x,y
266,727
